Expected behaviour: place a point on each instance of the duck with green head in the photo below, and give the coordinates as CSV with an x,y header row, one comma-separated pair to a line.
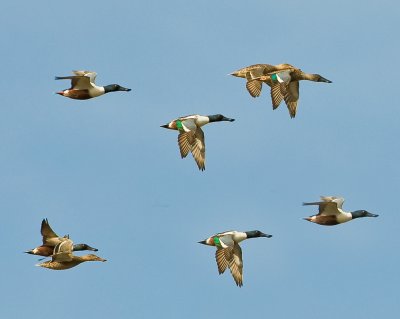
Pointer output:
x,y
191,136
229,253
330,212
83,86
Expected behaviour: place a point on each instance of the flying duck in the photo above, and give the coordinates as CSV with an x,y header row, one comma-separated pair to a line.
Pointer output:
x,y
229,253
331,213
191,136
283,80
63,257
51,239
83,86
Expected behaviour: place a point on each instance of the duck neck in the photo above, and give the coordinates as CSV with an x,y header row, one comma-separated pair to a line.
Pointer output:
x,y
252,234
109,88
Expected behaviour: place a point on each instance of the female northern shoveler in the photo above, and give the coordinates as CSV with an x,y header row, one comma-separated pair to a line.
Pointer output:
x,y
83,86
191,136
229,253
331,213
283,80
63,258
51,239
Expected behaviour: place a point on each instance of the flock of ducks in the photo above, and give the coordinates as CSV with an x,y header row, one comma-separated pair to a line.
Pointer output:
x,y
283,80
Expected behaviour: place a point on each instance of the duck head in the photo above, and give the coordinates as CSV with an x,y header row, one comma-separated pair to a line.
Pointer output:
x,y
92,257
362,213
219,118
114,88
256,233
79,247
319,78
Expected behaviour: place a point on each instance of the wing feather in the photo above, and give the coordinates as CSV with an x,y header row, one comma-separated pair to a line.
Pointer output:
x,y
291,97
184,144
223,256
236,265
276,95
254,87
199,149
47,231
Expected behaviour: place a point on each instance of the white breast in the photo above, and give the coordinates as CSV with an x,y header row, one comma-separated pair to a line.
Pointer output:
x,y
239,236
202,120
344,217
96,91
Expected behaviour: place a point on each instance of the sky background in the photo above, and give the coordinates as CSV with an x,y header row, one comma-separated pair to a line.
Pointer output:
x,y
104,172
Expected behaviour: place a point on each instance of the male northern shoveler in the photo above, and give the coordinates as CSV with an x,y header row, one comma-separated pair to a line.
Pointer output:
x,y
63,258
229,253
83,86
283,80
51,239
331,213
191,136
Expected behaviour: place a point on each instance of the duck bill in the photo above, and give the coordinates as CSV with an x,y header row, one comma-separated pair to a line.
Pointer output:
x,y
165,126
91,248
60,93
265,235
322,79
121,88
29,252
371,215
204,242
227,119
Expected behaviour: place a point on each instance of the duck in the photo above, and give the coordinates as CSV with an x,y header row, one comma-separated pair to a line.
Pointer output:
x,y
83,86
63,258
331,212
283,80
51,239
229,253
191,136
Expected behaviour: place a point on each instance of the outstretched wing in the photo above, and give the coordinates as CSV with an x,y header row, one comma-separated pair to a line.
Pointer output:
x,y
236,265
185,140
199,149
223,256
276,95
82,80
254,87
291,97
47,231
326,208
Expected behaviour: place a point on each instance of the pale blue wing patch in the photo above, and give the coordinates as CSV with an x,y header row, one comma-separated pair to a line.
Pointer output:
x,y
226,241
283,77
189,125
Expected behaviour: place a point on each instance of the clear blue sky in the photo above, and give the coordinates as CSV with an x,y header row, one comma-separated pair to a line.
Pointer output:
x,y
104,172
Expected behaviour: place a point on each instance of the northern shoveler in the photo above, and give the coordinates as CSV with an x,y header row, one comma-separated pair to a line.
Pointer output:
x,y
229,253
283,80
191,136
331,213
51,239
83,86
63,257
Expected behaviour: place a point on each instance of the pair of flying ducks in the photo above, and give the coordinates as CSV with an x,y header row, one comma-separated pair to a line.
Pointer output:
x,y
60,249
229,253
283,79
